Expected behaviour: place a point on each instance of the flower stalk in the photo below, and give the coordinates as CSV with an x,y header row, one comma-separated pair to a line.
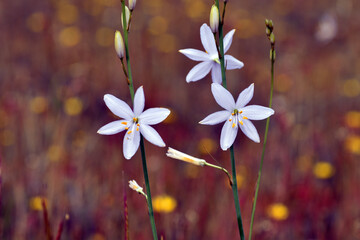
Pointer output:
x,y
271,36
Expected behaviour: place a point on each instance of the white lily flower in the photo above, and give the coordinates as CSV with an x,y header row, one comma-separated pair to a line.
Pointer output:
x,y
134,121
236,114
210,58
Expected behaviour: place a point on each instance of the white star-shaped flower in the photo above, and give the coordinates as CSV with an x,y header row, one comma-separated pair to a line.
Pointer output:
x,y
210,58
134,121
236,115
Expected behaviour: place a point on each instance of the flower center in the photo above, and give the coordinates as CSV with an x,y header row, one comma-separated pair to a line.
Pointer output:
x,y
237,116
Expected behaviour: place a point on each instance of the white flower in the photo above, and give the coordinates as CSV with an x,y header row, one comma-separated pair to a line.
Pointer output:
x,y
236,114
134,121
134,186
210,58
184,157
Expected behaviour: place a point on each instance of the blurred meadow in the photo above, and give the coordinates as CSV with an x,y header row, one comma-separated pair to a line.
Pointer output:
x,y
57,61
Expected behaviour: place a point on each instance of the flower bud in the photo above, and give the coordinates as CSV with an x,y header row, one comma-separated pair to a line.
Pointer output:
x,y
132,4
184,157
119,44
134,186
127,14
214,18
272,38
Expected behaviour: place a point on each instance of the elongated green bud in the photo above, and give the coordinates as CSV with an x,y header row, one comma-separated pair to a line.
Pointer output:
x,y
127,14
214,19
119,44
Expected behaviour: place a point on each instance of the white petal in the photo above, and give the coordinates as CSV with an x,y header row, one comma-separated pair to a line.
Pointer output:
x,y
131,142
207,39
139,101
228,134
151,135
249,130
118,107
216,73
216,118
199,71
195,54
228,40
113,127
245,96
223,97
256,112
232,63
154,116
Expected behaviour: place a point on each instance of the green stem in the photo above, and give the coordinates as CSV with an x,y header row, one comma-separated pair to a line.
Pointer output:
x,y
130,81
236,195
148,193
264,144
221,44
220,168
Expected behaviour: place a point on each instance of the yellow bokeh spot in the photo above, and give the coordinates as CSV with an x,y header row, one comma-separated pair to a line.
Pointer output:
x,y
73,106
246,27
323,170
67,13
166,43
278,211
70,36
38,104
158,25
36,22
104,36
351,88
164,204
304,163
240,179
352,144
207,145
35,203
107,3
171,118
93,7
7,137
97,236
55,153
191,171
284,83
352,119
196,9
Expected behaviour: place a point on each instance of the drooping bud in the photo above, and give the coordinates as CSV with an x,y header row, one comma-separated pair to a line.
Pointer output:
x,y
127,15
132,4
134,186
119,44
184,157
214,18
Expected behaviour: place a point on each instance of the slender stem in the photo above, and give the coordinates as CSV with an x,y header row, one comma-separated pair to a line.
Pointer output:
x,y
130,81
149,201
264,144
236,195
221,45
220,168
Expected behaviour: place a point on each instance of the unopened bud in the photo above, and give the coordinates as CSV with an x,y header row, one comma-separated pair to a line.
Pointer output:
x,y
272,38
127,16
214,18
185,157
272,54
267,31
132,4
119,44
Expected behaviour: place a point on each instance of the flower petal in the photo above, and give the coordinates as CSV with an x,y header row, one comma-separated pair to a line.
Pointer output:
x,y
131,142
256,112
113,127
216,117
199,71
232,63
228,134
195,54
223,97
153,116
249,130
228,40
118,107
216,73
245,96
151,135
139,101
207,39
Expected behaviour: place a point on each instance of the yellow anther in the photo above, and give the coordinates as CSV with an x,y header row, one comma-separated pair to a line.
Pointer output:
x,y
241,112
126,128
230,120
138,124
233,114
241,122
245,118
129,132
233,125
137,129
134,119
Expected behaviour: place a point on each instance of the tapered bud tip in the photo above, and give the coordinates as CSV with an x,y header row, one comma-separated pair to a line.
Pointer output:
x,y
132,4
127,16
214,18
119,44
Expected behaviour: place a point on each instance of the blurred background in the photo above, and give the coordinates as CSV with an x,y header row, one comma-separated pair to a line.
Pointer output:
x,y
57,60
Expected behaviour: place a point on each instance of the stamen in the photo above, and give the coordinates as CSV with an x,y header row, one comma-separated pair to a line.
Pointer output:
x,y
137,129
230,120
125,123
241,112
233,125
138,124
129,132
134,119
245,118
126,128
241,122
233,114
